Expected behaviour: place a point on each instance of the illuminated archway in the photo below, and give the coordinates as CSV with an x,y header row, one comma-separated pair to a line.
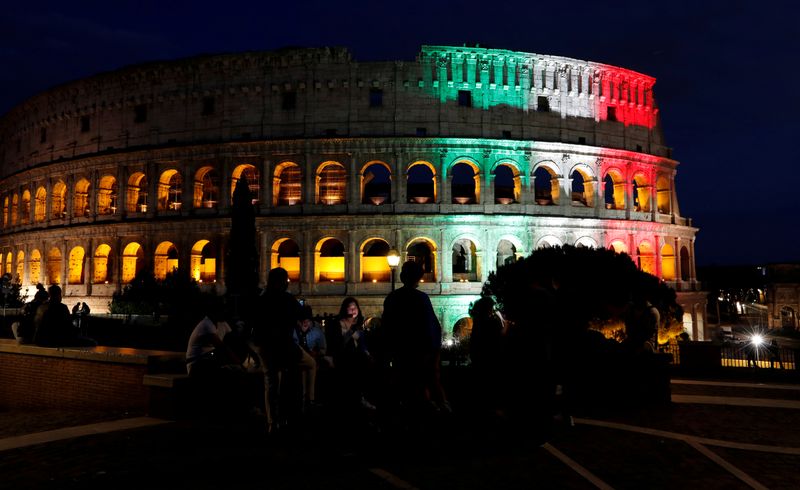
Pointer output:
x,y
507,186
423,251
203,262
331,184
170,190
546,189
9,262
663,195
465,183
166,260
286,254
582,192
53,266
132,261
507,253
287,185
685,266
80,201
641,193
35,267
548,241
40,205
465,261
646,257
20,265
667,262
75,266
107,195
788,317
614,189
59,205
137,193
5,212
586,241
462,329
25,208
374,266
618,246
421,183
330,263
102,265
206,188
376,183
14,209
252,177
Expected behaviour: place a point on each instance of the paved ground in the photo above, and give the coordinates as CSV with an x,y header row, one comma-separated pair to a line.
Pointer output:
x,y
681,446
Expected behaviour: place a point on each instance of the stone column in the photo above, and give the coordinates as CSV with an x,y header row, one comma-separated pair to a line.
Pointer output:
x,y
88,267
310,181
353,194
351,264
224,204
64,264
444,180
122,191
397,181
265,174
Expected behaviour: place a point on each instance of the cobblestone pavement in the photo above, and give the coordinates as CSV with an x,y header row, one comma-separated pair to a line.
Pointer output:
x,y
452,452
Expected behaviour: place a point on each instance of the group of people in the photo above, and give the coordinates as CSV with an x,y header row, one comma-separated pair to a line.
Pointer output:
x,y
46,321
342,363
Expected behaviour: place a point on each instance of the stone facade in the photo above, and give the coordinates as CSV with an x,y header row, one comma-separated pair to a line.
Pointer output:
x,y
463,160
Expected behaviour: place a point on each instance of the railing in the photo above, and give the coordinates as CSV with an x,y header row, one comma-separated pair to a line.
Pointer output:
x,y
742,356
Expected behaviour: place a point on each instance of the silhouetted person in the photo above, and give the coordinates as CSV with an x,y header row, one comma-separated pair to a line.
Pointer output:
x,y
25,328
347,345
415,341
485,351
277,314
774,354
53,324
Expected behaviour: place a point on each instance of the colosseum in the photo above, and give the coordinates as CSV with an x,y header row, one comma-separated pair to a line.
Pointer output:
x,y
463,159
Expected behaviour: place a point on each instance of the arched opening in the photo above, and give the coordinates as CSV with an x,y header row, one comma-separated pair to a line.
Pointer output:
x,y
166,260
102,265
423,252
545,186
20,265
507,187
40,205
132,261
252,177
206,188
331,184
462,329
170,190
646,258
376,184
9,262
641,193
137,193
421,183
330,260
663,195
465,184
582,187
465,261
374,266
35,267
59,208
618,246
667,262
107,195
14,209
25,209
203,262
685,265
506,253
5,212
788,317
80,203
75,266
548,242
286,254
53,266
287,186
585,242
614,190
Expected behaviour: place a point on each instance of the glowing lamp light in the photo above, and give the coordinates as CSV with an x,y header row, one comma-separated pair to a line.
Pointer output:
x,y
757,340
393,258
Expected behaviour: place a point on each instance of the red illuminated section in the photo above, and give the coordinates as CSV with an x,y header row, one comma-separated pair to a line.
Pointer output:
x,y
625,96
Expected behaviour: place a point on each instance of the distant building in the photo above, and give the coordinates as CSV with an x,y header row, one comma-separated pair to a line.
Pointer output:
x,y
463,160
783,295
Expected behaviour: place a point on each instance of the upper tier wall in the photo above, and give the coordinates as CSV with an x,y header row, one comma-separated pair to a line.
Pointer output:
x,y
447,92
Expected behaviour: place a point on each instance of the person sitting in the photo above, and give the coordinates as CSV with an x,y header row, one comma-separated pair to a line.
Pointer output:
x,y
53,324
347,346
312,342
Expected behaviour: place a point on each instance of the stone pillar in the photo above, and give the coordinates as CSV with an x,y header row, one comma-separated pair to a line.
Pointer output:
x,y
153,178
350,267
69,197
265,173
444,180
122,191
224,204
397,181
353,194
88,267
64,264
307,268
310,181
657,254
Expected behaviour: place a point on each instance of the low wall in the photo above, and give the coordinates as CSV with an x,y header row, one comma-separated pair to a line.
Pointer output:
x,y
76,378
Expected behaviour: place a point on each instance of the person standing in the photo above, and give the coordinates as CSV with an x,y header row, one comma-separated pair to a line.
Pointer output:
x,y
277,312
414,341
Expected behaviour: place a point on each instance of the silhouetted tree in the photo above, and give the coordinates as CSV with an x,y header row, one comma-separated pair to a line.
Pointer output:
x,y
241,276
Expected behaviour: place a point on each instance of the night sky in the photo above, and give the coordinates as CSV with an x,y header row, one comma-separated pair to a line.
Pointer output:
x,y
728,75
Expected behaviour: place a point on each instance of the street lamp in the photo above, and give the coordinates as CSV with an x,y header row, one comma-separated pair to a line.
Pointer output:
x,y
393,258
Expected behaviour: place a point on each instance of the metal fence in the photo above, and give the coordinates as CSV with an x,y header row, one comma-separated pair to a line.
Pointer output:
x,y
742,355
